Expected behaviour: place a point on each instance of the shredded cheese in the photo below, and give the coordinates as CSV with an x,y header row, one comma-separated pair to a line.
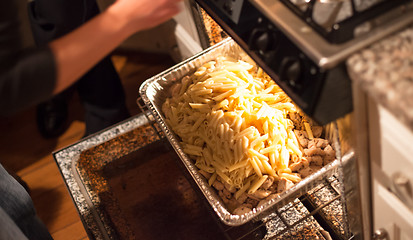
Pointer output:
x,y
233,123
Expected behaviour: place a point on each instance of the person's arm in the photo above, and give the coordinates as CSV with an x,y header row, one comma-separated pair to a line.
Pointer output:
x,y
78,51
29,76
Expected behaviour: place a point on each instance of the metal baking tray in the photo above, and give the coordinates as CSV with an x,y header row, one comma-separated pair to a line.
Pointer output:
x,y
155,90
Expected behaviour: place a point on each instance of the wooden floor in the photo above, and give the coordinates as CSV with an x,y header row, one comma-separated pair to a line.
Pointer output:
x,y
25,152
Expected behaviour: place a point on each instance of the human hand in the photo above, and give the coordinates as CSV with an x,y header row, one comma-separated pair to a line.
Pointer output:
x,y
145,14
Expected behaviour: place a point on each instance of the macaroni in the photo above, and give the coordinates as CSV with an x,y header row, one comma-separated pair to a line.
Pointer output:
x,y
238,118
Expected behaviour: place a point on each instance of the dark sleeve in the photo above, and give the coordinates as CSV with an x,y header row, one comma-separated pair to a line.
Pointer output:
x,y
27,76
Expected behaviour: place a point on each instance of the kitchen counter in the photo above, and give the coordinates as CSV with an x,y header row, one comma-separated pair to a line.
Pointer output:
x,y
383,78
385,71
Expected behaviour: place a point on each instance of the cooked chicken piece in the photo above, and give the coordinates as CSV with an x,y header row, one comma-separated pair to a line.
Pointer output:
x,y
274,186
296,118
242,209
302,138
220,179
260,194
223,197
268,183
330,155
227,193
317,131
271,196
207,175
296,166
329,151
315,160
299,165
284,184
232,204
251,201
305,172
218,185
314,151
327,160
318,143
175,89
242,198
260,203
250,196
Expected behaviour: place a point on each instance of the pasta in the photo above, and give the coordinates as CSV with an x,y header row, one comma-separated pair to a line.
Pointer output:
x,y
233,121
244,117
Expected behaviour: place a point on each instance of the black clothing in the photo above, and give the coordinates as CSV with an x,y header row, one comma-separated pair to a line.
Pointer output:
x,y
100,89
52,117
27,76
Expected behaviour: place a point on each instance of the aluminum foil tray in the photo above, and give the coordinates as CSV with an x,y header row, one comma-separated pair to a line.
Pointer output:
x,y
155,90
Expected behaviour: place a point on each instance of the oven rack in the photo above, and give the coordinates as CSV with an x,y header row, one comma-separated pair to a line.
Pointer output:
x,y
150,117
325,214
304,218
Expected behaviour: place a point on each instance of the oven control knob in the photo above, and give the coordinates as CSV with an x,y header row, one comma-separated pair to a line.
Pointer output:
x,y
291,71
227,7
263,40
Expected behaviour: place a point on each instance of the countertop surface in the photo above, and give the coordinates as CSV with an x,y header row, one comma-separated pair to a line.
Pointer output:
x,y
384,71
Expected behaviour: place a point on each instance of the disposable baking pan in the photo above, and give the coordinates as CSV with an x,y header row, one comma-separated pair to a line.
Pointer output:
x,y
156,89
